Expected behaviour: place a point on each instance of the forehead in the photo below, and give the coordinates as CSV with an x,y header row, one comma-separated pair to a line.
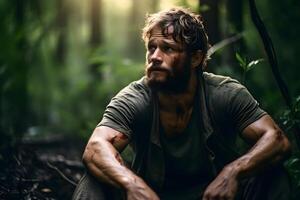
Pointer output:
x,y
167,35
158,32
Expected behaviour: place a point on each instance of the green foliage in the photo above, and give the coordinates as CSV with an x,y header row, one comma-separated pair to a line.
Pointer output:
x,y
290,118
285,35
246,66
63,97
293,167
243,62
78,107
69,97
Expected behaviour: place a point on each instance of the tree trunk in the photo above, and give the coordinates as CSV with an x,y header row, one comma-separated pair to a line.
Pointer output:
x,y
211,23
211,19
16,95
235,20
136,19
61,23
235,14
96,25
96,36
19,96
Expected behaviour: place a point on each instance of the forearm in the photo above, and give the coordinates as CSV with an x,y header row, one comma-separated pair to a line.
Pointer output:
x,y
105,163
271,146
270,149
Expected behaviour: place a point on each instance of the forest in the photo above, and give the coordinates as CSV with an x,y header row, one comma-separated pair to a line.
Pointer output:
x,y
61,62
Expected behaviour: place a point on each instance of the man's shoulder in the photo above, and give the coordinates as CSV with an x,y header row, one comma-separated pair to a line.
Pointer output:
x,y
136,94
136,88
219,82
128,109
221,90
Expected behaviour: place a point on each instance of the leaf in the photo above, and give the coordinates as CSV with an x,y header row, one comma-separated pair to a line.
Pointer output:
x,y
253,63
293,161
241,61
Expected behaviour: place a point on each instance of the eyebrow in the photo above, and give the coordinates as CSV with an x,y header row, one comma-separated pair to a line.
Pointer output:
x,y
166,42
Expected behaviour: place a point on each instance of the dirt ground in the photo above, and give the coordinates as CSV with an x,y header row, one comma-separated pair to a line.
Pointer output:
x,y
49,169
41,170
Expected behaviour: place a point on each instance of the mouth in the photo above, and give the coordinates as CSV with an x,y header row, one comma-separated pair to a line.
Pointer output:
x,y
155,68
156,72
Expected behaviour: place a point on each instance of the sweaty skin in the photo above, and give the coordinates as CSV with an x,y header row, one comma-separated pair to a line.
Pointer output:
x,y
101,157
165,63
270,147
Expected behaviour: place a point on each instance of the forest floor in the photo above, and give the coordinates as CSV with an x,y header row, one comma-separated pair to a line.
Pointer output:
x,y
49,169
44,169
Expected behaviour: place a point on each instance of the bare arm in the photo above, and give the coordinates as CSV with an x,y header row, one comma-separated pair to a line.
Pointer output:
x,y
103,160
104,145
270,147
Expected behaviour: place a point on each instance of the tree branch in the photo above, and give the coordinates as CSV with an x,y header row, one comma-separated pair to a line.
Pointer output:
x,y
271,54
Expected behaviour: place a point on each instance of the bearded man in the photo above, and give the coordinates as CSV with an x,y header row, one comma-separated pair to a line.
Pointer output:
x,y
182,124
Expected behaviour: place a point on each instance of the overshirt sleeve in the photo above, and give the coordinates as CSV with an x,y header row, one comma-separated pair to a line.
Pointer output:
x,y
243,108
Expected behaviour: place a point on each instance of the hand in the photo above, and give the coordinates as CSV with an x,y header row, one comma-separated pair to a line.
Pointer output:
x,y
224,187
140,191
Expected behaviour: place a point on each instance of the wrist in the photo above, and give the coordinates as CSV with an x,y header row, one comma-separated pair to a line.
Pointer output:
x,y
126,182
233,170
129,183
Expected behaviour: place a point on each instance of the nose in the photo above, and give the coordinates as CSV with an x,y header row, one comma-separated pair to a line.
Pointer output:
x,y
157,56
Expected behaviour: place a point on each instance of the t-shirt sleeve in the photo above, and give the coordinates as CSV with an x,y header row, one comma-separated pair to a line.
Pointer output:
x,y
124,109
243,108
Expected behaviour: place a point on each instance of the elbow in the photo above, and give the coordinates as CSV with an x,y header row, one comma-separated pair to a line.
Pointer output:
x,y
89,152
283,143
86,156
286,147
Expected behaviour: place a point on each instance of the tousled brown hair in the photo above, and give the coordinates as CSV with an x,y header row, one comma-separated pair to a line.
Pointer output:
x,y
188,28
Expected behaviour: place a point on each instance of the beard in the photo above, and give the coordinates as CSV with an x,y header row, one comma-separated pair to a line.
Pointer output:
x,y
162,79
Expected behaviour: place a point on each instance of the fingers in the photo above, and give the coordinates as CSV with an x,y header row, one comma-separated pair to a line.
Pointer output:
x,y
219,196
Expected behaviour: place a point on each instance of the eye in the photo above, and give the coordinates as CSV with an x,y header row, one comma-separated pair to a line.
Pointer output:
x,y
169,49
151,48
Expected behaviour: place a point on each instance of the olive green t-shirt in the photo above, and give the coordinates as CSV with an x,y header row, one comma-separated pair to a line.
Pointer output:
x,y
231,107
187,165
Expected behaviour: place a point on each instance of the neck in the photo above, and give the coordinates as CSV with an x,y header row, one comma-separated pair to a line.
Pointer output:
x,y
180,101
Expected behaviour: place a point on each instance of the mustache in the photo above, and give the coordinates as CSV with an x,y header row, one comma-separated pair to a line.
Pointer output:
x,y
156,67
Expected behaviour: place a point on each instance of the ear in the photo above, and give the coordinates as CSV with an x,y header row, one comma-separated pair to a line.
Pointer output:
x,y
197,58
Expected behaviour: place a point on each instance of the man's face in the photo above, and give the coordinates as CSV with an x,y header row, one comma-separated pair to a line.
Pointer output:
x,y
168,66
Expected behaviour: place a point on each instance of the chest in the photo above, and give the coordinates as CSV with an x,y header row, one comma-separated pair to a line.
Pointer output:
x,y
174,123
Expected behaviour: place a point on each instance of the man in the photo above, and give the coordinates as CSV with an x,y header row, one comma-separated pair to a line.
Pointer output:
x,y
182,124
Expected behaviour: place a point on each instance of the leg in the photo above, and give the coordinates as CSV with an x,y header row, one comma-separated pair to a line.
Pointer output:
x,y
89,188
273,184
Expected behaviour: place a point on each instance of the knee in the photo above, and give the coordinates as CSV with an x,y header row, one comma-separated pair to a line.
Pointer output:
x,y
89,188
270,184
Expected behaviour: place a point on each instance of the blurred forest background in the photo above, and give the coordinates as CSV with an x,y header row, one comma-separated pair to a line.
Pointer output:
x,y
61,61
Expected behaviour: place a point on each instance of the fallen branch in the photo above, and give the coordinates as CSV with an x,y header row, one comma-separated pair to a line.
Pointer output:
x,y
62,160
61,174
